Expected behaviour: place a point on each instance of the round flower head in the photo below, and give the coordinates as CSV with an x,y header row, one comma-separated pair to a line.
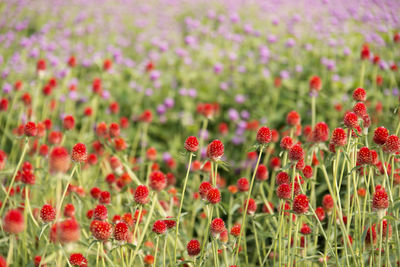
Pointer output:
x,y
282,178
339,137
68,122
327,203
13,222
217,226
350,120
300,204
101,230
360,109
319,211
293,118
371,237
284,191
305,229
243,184
30,129
79,153
69,210
193,248
67,231
47,213
392,145
159,227
296,153
252,206
213,196
286,143
121,231
364,156
320,132
380,200
204,188
381,134
59,160
141,194
191,144
262,173
100,213
77,259
157,181
149,259
315,83
386,230
215,150
359,95
307,171
264,135
235,230
170,223
105,197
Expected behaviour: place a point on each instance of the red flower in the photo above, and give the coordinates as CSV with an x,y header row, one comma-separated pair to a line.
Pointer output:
x,y
380,200
13,222
121,232
213,196
100,213
107,64
157,181
350,120
319,211
159,227
315,83
284,191
68,122
320,132
381,134
262,173
339,137
47,213
300,204
77,259
204,188
296,153
365,54
327,203
359,95
114,130
41,65
79,153
71,61
59,160
105,197
30,129
235,230
364,156
69,210
252,206
264,135
141,194
371,238
191,144
217,226
286,143
360,109
215,150
95,192
293,118
146,116
282,178
243,184
307,171
65,232
193,247
392,145
101,230
170,223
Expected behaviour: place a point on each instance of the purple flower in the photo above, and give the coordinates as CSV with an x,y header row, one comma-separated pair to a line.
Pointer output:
x,y
7,88
169,102
233,114
240,98
218,68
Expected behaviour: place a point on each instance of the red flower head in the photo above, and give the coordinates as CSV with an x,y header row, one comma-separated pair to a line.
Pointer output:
x,y
146,116
68,122
41,65
114,108
327,203
364,156
264,135
13,222
215,150
170,223
95,192
380,200
282,178
293,118
235,230
284,191
286,143
381,134
262,173
204,188
339,137
59,160
69,210
315,83
307,171
213,196
47,213
217,227
300,204
151,154
105,197
191,144
149,259
360,109
365,54
141,194
101,230
30,129
243,184
159,227
360,95
100,213
392,145
107,64
296,153
193,248
71,61
320,132
114,130
350,120
157,181
386,230
3,104
79,153
67,231
121,232
371,238
252,207
319,211
77,259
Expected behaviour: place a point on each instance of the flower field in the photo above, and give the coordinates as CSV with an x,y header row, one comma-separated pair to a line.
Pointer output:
x,y
199,133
